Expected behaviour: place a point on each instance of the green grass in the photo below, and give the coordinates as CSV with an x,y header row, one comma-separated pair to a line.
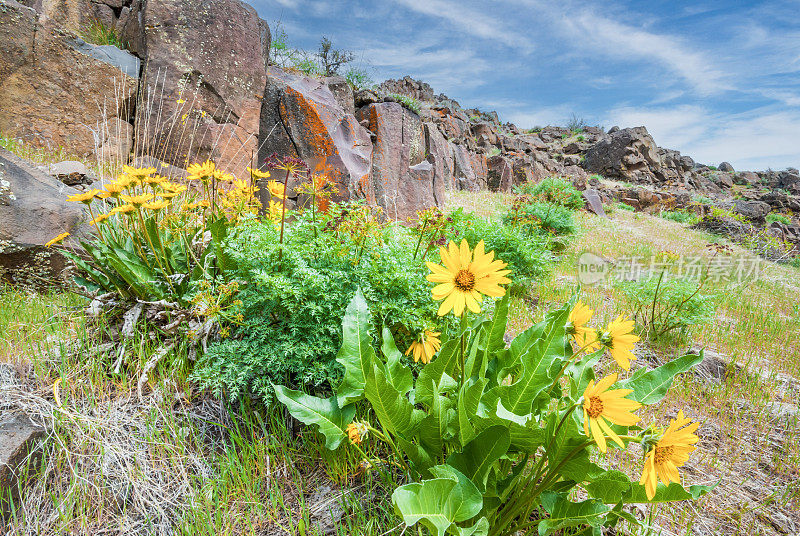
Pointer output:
x,y
97,33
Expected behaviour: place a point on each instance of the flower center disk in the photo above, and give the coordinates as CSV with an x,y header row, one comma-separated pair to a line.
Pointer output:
x,y
464,280
595,407
663,454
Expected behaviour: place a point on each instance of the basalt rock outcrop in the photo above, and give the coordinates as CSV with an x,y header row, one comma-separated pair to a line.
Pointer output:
x,y
205,72
33,210
300,117
55,89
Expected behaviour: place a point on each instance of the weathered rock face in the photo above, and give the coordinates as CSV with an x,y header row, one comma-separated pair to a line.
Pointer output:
x,y
301,118
629,154
77,86
203,87
403,180
33,210
408,86
342,92
500,177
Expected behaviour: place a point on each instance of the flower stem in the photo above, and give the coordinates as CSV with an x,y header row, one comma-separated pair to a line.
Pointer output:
x,y
463,344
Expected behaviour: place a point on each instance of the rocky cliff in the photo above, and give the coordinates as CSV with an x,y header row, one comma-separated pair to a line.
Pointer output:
x,y
195,84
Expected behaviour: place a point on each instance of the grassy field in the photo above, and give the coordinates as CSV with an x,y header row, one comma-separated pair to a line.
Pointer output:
x,y
129,454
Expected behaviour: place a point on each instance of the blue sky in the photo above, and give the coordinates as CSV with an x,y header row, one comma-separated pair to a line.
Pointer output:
x,y
715,80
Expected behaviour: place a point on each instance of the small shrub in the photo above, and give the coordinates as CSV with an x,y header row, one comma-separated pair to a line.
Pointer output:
x,y
98,33
663,306
556,190
292,306
712,168
786,220
358,78
543,218
624,206
680,216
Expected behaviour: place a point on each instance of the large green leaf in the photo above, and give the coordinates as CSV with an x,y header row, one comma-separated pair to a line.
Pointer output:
x,y
614,486
420,459
537,361
650,387
565,513
439,503
395,413
397,373
138,275
435,374
496,328
478,455
324,413
469,398
356,354
437,427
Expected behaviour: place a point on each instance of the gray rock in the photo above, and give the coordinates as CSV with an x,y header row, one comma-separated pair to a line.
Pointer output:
x,y
726,167
593,202
121,59
752,210
18,440
714,366
33,210
71,173
342,92
300,117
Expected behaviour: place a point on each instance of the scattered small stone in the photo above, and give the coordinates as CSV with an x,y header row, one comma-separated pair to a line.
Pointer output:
x,y
18,437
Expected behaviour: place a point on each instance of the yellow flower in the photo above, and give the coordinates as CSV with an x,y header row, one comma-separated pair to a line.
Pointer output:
x,y
465,277
258,174
600,404
276,189
671,451
356,432
424,348
180,101
275,210
154,180
86,197
201,172
123,209
100,219
620,341
137,174
156,205
221,176
114,189
582,335
137,200
57,239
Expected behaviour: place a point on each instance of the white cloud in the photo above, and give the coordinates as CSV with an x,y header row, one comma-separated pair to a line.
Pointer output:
x,y
474,23
614,39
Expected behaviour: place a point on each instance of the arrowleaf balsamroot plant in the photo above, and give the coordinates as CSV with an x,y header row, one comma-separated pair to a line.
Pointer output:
x,y
487,434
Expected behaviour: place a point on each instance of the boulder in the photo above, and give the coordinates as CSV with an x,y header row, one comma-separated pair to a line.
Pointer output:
x,y
628,154
117,142
78,87
71,173
752,210
203,87
409,87
18,439
440,154
300,117
33,210
402,178
725,167
593,202
464,174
